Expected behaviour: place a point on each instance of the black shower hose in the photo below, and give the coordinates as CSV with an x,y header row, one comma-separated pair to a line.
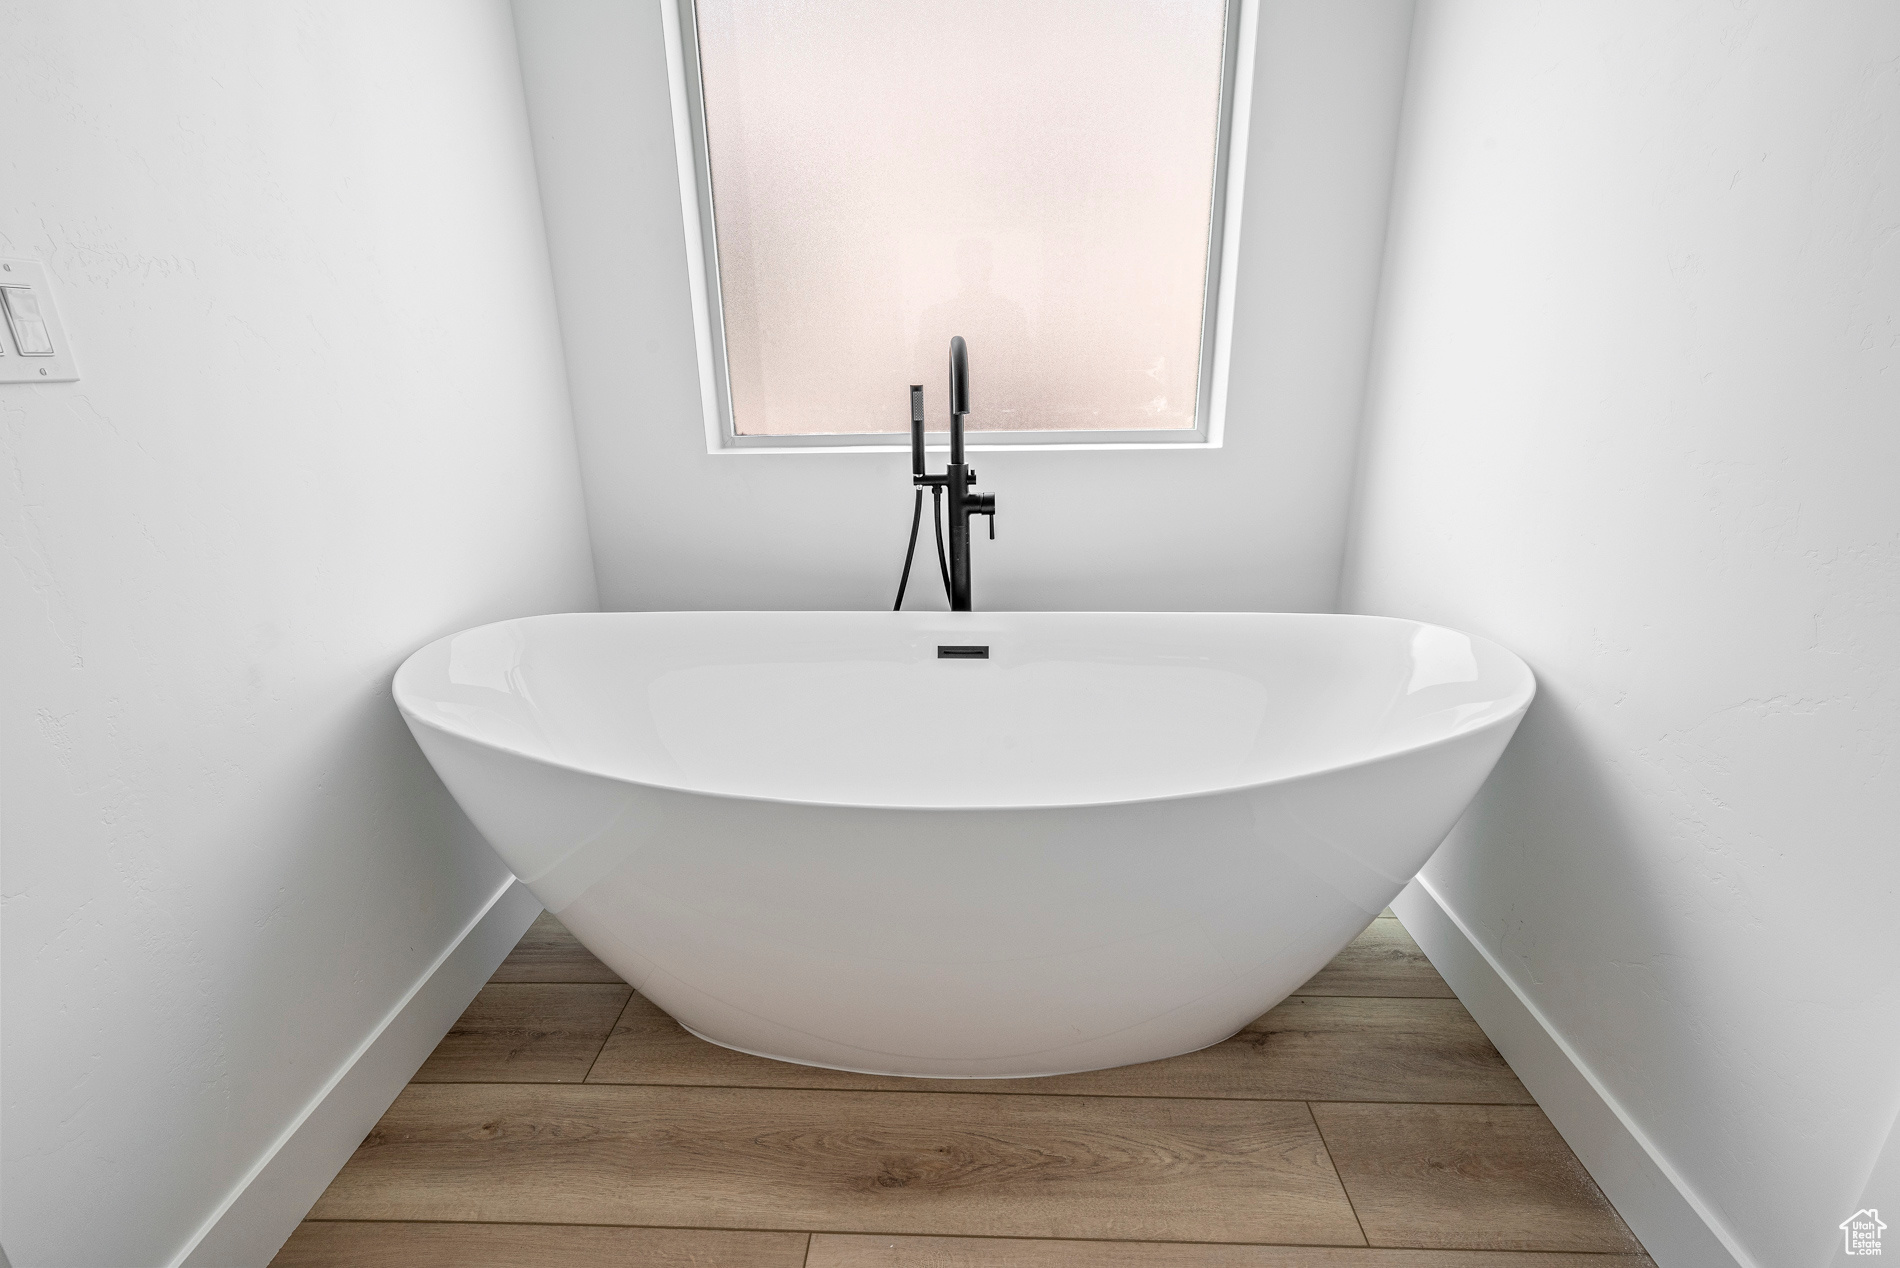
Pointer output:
x,y
936,522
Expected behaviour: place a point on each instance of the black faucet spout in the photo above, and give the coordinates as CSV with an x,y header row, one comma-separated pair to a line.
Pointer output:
x,y
963,502
959,395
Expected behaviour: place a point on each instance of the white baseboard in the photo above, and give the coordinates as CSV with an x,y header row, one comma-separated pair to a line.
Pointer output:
x,y
262,1210
1676,1228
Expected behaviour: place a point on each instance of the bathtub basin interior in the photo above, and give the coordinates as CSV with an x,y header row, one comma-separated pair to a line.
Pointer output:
x,y
1114,838
860,709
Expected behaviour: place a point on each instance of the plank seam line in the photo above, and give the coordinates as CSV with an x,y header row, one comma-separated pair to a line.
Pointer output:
x,y
1327,1149
603,1084
988,1237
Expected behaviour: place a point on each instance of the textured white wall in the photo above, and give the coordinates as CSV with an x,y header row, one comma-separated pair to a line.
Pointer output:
x,y
323,420
1259,524
1634,416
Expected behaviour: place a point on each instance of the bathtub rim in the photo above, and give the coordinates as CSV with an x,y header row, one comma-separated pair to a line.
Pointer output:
x,y
1509,719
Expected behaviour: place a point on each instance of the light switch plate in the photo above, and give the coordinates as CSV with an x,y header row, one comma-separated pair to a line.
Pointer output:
x,y
37,317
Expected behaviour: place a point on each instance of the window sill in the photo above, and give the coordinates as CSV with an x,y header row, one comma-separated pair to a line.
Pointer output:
x,y
900,445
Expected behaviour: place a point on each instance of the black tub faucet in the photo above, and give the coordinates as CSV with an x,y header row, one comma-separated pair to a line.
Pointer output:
x,y
956,479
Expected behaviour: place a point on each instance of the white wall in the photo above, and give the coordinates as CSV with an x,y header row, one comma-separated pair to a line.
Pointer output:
x,y
1258,524
1634,416
310,437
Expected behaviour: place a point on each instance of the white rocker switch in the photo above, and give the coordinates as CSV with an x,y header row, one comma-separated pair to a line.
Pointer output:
x,y
33,346
30,334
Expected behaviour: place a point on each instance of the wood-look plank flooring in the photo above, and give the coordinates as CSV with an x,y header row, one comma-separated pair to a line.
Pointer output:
x,y
541,1032
549,953
1382,961
832,1250
566,1122
1492,1176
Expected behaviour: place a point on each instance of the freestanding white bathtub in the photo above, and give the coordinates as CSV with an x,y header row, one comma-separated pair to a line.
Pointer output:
x,y
817,837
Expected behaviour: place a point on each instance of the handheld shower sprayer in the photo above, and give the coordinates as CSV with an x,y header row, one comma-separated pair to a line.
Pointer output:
x,y
919,479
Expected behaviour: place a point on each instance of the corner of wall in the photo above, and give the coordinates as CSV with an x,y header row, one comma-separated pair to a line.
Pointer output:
x,y
1375,333
560,317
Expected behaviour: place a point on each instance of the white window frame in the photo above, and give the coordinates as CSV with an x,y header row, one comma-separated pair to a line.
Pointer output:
x,y
1239,29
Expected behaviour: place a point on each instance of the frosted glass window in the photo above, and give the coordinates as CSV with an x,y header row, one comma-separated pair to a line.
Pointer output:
x,y
1037,176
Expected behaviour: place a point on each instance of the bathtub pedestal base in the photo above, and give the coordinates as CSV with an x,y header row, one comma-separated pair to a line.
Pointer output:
x,y
899,1074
